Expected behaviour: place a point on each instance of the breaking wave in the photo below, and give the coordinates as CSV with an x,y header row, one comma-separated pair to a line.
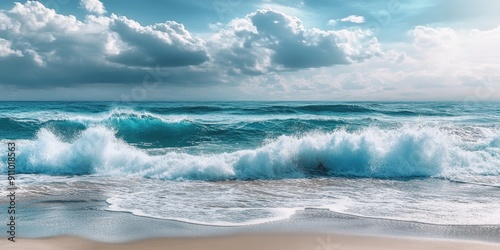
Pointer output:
x,y
406,152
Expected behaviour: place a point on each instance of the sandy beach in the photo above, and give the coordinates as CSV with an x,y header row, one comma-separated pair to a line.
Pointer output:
x,y
279,241
310,229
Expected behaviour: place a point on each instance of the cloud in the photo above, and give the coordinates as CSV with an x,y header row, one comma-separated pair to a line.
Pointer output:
x,y
332,22
427,37
5,49
436,63
93,6
353,19
267,40
265,54
449,53
350,19
166,44
41,48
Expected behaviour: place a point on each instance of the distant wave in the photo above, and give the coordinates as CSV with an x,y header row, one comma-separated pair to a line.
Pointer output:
x,y
177,113
410,151
145,128
288,109
195,109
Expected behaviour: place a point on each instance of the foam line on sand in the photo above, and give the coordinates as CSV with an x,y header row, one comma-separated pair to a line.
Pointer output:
x,y
250,242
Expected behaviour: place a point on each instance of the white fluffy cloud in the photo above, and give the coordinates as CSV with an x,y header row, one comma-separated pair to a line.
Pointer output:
x,y
353,19
471,47
166,44
435,64
5,49
268,40
449,52
93,6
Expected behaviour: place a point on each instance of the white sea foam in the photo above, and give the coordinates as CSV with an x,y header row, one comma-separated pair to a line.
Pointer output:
x,y
411,151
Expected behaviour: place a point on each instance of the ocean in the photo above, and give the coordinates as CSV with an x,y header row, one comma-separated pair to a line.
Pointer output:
x,y
246,163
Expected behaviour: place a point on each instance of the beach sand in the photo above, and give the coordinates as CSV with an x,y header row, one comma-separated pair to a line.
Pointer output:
x,y
242,242
44,225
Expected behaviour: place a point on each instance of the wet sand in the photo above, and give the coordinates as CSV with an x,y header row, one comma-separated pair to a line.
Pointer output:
x,y
250,242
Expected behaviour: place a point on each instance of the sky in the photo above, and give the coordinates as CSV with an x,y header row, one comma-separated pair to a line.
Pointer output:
x,y
231,50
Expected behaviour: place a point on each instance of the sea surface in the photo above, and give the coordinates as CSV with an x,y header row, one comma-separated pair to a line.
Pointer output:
x,y
243,163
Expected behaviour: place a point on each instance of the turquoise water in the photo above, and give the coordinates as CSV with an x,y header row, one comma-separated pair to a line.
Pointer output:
x,y
237,163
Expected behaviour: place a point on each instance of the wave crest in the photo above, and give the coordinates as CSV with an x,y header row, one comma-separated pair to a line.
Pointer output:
x,y
372,152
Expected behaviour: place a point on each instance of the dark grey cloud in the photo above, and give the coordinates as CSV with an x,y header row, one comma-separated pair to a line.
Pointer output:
x,y
40,48
24,72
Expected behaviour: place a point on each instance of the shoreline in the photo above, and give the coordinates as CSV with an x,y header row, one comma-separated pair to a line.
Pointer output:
x,y
82,219
89,219
254,241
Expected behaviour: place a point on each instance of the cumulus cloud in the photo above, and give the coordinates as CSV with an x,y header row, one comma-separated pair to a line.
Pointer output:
x,y
436,60
437,63
166,44
39,48
353,19
93,6
428,37
459,57
5,49
267,40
